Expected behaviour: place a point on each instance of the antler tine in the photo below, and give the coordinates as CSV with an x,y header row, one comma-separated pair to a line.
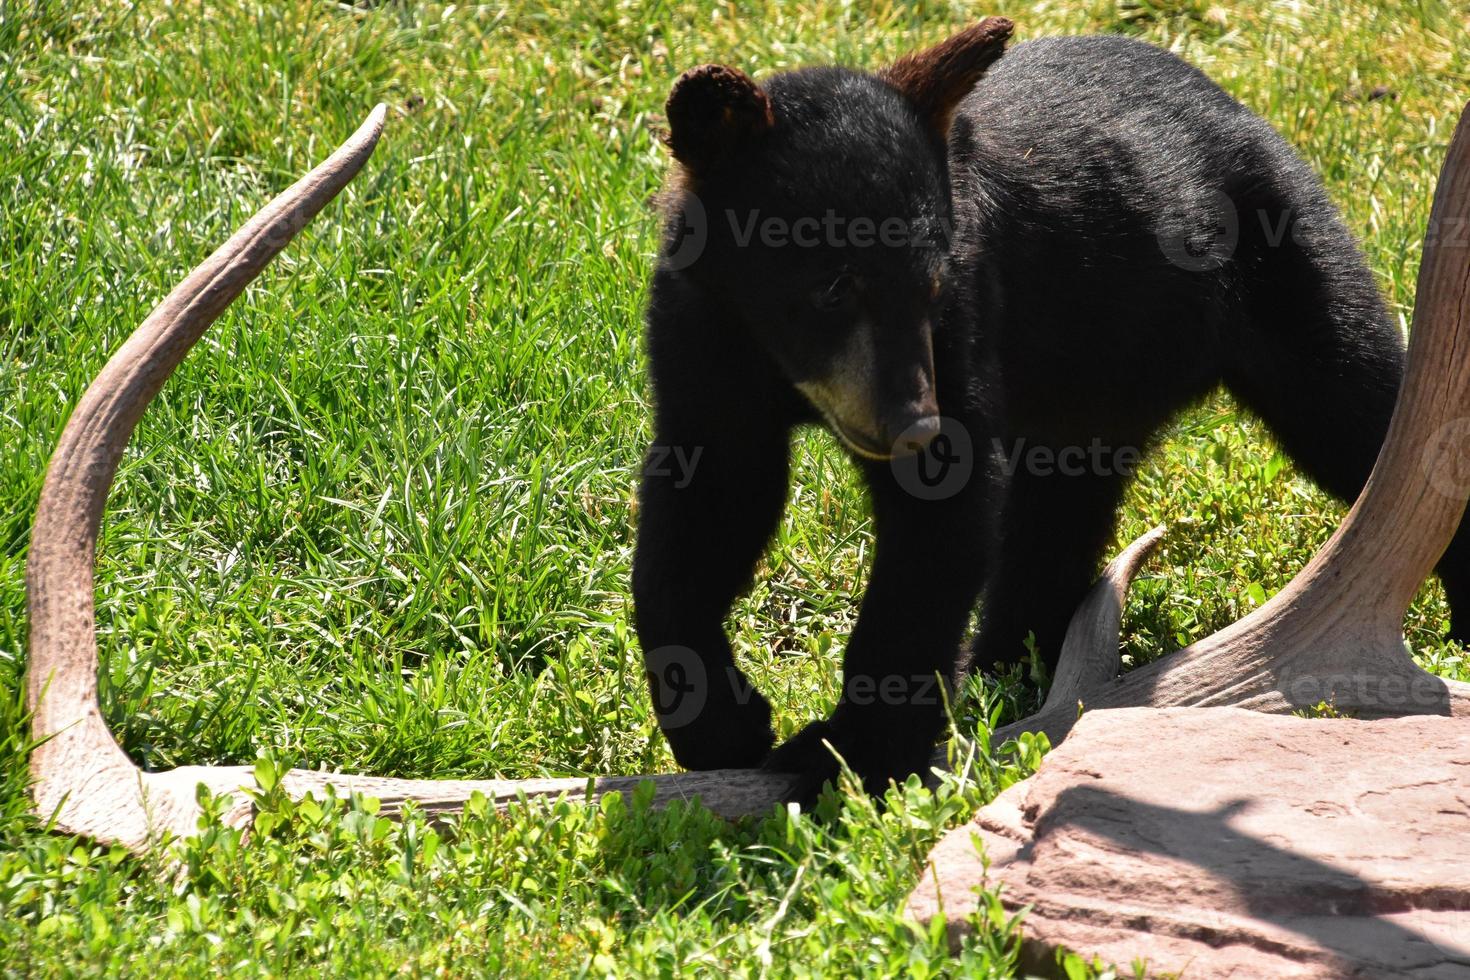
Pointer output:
x,y
83,781
81,775
1089,656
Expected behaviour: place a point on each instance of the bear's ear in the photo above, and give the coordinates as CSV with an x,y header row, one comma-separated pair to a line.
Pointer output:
x,y
937,78
712,111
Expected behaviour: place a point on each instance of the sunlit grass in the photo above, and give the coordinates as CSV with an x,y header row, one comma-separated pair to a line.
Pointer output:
x,y
381,519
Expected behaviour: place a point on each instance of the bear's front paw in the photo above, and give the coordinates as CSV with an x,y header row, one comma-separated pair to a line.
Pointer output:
x,y
877,752
728,735
806,755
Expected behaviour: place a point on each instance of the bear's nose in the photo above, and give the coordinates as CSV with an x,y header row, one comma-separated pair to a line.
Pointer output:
x,y
913,431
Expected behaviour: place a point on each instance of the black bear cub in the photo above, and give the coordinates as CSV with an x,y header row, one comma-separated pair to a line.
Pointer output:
x,y
993,277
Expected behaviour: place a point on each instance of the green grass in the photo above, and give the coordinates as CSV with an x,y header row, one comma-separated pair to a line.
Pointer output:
x,y
382,517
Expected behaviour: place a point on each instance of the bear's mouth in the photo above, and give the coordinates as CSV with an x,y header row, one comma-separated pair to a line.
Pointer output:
x,y
865,446
826,399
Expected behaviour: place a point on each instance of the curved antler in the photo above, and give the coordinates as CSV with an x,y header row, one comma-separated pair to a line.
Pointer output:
x,y
81,775
83,781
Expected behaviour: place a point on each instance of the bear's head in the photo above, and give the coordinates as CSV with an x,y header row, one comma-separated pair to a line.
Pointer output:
x,y
816,208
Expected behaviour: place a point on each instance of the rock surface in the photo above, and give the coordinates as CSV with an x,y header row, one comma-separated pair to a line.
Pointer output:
x,y
1218,842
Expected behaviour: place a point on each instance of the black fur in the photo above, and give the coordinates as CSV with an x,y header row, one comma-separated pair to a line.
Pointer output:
x,y
1091,289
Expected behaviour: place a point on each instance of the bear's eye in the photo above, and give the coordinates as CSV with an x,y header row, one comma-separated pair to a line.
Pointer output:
x,y
837,294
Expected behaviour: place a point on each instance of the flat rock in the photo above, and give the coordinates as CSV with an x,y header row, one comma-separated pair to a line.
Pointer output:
x,y
1218,842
